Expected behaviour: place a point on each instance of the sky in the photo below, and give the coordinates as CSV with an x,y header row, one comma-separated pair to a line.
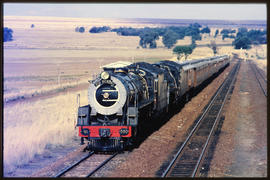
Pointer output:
x,y
219,11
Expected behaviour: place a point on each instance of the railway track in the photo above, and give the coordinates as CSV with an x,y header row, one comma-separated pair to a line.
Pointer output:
x,y
87,165
261,79
188,159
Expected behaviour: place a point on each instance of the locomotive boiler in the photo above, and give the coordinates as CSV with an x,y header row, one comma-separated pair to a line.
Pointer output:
x,y
125,92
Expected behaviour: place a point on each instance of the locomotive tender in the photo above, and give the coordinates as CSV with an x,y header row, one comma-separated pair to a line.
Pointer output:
x,y
125,92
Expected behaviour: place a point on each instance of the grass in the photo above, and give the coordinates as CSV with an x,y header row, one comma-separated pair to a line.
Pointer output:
x,y
28,128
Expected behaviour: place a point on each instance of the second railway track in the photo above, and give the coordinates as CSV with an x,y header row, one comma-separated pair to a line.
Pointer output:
x,y
261,79
87,165
188,159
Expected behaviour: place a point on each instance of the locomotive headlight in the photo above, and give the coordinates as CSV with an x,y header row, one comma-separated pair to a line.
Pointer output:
x,y
105,75
85,132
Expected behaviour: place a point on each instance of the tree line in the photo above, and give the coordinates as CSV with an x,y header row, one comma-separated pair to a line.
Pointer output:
x,y
244,38
170,35
148,36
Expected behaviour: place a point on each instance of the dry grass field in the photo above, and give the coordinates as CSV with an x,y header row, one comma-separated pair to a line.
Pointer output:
x,y
53,56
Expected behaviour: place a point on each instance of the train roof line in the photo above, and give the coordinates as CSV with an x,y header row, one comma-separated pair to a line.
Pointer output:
x,y
118,64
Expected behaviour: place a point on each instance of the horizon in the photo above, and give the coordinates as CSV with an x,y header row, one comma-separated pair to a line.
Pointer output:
x,y
185,11
134,18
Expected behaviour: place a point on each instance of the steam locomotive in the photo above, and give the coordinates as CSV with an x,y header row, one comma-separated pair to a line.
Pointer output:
x,y
124,92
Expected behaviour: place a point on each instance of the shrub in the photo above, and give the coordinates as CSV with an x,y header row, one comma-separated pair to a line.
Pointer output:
x,y
99,29
81,29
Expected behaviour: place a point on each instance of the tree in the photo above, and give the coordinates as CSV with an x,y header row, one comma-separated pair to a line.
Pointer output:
x,y
193,31
196,25
216,33
8,34
225,31
206,30
169,38
242,42
153,44
181,51
257,36
148,37
196,37
32,25
242,30
81,29
180,31
213,46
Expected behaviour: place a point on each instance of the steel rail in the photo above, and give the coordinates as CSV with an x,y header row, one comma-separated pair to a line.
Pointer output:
x,y
263,76
212,129
101,165
260,84
74,165
195,127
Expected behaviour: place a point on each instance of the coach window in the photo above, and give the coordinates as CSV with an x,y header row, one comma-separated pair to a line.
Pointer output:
x,y
156,84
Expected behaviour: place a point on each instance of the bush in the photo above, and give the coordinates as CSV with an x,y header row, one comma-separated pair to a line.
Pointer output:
x,y
99,29
81,29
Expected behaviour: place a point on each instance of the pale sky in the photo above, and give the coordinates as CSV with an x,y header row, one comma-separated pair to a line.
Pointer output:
x,y
244,11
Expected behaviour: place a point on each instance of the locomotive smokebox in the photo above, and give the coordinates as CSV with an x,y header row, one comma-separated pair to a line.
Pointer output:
x,y
107,97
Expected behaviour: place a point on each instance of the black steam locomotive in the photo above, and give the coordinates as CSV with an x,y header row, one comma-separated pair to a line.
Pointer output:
x,y
125,92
